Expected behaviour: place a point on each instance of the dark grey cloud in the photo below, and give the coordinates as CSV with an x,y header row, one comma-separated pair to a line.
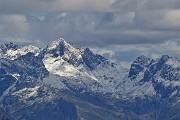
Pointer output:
x,y
146,5
100,29
105,24
27,6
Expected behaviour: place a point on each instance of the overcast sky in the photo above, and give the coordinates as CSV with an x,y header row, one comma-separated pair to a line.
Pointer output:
x,y
119,29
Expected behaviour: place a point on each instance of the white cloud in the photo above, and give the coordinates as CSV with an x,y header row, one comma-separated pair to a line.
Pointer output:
x,y
106,52
173,46
154,51
13,26
15,21
172,18
41,18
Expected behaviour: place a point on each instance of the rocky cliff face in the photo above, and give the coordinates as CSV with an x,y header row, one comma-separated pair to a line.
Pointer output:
x,y
63,81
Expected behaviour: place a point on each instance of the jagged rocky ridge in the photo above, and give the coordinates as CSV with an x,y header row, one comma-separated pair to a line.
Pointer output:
x,y
68,81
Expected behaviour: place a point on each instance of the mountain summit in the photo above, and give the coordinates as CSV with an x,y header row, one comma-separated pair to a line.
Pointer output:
x,y
75,83
12,51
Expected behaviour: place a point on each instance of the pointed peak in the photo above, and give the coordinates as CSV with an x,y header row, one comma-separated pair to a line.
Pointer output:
x,y
164,57
167,57
142,59
61,47
87,50
60,42
9,45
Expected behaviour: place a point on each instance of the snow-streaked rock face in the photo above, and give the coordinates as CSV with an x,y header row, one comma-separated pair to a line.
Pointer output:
x,y
138,66
29,76
65,60
63,49
82,68
12,51
20,83
163,74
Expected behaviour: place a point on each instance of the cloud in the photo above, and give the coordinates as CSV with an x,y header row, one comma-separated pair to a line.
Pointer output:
x,y
13,27
26,6
18,22
130,52
105,52
145,5
124,6
173,18
167,19
94,29
123,29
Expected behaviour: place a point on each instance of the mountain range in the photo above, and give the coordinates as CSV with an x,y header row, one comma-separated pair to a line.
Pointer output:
x,y
64,82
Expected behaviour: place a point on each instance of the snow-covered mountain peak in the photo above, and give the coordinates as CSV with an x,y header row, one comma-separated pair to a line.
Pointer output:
x,y
165,62
32,79
61,43
61,47
81,66
12,51
139,66
8,46
164,57
61,50
92,60
54,44
174,62
142,60
171,61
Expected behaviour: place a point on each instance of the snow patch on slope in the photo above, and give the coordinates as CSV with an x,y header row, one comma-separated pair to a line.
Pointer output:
x,y
173,62
54,81
60,67
26,93
132,88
